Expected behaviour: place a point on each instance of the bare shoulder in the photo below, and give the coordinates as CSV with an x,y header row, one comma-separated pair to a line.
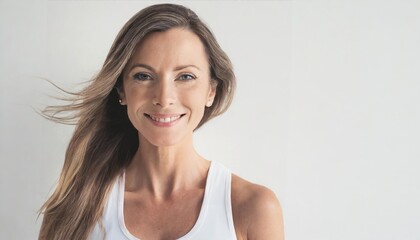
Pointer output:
x,y
257,213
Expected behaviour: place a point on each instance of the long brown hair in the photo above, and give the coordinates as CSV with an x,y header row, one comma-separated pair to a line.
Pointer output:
x,y
104,140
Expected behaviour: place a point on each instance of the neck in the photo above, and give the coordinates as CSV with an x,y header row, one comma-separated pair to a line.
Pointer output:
x,y
162,171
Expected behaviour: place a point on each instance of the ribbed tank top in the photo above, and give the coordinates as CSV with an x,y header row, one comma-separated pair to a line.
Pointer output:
x,y
215,219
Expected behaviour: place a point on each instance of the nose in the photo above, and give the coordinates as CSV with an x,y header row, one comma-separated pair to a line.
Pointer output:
x,y
164,95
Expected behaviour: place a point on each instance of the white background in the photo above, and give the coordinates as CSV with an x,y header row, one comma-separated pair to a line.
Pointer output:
x,y
327,111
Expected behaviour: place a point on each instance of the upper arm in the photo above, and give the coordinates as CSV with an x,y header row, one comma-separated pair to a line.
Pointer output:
x,y
266,218
257,213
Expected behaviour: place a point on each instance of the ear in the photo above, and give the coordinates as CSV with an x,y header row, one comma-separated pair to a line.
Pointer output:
x,y
121,93
212,93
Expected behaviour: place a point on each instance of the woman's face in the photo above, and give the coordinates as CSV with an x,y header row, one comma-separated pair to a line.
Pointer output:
x,y
167,86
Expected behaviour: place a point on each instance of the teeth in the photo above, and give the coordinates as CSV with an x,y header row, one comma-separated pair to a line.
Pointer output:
x,y
165,120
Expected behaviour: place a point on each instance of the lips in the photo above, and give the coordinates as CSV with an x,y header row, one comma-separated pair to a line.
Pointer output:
x,y
164,118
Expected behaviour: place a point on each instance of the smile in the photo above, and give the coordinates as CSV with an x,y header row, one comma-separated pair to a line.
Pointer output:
x,y
168,119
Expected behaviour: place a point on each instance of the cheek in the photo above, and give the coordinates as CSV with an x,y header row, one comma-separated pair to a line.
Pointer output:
x,y
196,94
134,93
196,100
133,116
135,98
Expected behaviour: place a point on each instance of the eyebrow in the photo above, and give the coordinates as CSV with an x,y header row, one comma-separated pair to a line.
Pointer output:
x,y
153,70
185,66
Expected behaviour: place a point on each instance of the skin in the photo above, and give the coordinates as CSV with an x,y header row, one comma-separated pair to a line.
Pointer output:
x,y
169,74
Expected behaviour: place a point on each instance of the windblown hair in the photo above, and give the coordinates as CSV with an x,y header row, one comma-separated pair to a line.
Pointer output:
x,y
104,141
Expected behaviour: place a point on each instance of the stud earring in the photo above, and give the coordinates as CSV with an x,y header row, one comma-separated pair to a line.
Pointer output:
x,y
120,101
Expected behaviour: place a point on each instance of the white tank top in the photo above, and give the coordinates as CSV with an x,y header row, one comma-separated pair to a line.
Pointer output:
x,y
214,221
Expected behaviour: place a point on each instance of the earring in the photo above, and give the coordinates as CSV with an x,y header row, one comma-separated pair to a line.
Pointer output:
x,y
120,101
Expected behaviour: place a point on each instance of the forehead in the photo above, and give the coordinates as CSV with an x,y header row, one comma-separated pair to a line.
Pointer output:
x,y
171,48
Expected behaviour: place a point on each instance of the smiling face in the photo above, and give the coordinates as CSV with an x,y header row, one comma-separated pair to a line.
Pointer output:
x,y
167,86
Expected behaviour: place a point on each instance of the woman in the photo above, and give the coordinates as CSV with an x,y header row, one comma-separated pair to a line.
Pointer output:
x,y
131,171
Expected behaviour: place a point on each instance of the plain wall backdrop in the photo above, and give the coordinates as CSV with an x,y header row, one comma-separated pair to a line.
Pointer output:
x,y
326,114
